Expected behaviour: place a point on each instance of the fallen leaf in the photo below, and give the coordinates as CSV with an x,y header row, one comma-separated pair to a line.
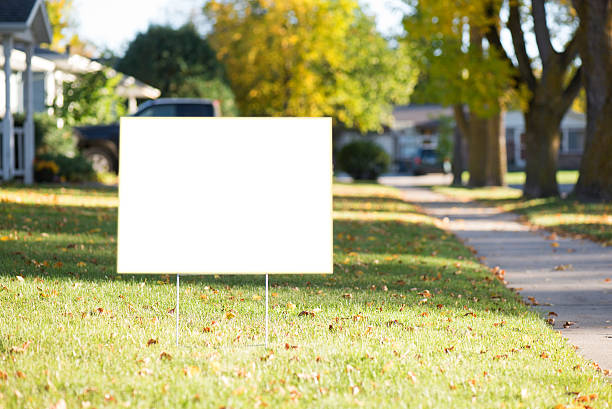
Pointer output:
x,y
191,370
60,404
166,356
21,349
563,267
20,278
229,315
568,324
348,295
290,306
152,341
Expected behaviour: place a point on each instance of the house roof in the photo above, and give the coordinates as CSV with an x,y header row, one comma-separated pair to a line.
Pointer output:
x,y
73,64
16,11
25,20
408,116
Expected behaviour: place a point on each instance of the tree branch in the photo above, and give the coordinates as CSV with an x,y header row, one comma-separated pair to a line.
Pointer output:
x,y
542,33
518,41
572,89
572,48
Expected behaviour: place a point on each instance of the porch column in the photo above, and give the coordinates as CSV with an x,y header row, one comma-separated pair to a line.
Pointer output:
x,y
7,123
517,148
29,140
132,105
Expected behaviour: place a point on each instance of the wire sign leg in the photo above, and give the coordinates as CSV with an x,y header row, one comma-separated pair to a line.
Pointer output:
x,y
266,311
177,310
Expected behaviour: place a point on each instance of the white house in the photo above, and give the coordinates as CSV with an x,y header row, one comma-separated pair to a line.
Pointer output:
x,y
416,126
24,23
32,81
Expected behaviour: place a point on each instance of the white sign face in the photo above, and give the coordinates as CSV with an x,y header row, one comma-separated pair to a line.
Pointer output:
x,y
225,196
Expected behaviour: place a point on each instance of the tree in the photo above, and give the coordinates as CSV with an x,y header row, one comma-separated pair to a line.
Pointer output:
x,y
179,62
91,99
309,58
595,180
463,73
60,17
549,89
548,85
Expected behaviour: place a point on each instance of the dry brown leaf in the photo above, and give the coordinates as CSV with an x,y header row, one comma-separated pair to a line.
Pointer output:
x,y
60,404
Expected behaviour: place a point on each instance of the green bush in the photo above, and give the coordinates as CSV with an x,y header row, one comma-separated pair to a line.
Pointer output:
x,y
52,140
69,169
363,160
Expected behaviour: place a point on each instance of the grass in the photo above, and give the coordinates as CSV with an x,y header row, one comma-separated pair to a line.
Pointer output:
x,y
564,177
409,319
563,216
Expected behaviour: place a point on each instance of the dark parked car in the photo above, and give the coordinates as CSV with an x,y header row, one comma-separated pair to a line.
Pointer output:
x,y
428,161
100,143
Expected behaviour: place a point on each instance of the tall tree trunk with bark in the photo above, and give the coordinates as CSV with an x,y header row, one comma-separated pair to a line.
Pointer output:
x,y
486,147
595,180
497,163
457,164
542,143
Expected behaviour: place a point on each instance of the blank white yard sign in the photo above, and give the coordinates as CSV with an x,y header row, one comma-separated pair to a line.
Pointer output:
x,y
225,196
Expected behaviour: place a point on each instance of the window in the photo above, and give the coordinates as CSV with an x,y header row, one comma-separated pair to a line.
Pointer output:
x,y
575,140
195,110
159,110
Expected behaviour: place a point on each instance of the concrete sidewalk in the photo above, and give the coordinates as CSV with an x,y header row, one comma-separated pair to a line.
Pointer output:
x,y
569,277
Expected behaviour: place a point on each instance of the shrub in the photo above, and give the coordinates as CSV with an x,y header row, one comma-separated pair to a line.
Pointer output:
x,y
363,160
52,140
75,169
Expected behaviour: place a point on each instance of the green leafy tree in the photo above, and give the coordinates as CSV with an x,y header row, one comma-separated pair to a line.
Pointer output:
x,y
547,84
310,58
180,63
91,99
460,71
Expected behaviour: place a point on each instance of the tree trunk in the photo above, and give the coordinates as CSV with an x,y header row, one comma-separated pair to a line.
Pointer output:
x,y
477,151
496,151
542,150
486,139
457,164
595,180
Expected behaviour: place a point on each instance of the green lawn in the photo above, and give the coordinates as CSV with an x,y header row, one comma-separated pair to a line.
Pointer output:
x,y
564,177
408,319
563,216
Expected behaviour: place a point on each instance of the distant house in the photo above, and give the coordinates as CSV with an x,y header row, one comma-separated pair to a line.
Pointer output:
x,y
24,23
416,126
573,128
33,79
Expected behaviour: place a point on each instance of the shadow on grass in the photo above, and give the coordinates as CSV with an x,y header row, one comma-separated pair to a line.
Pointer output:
x,y
403,259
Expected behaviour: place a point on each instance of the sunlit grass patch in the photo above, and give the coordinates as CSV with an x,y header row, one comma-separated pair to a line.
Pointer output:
x,y
408,319
564,216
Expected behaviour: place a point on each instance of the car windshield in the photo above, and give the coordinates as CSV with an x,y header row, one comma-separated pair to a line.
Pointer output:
x,y
171,110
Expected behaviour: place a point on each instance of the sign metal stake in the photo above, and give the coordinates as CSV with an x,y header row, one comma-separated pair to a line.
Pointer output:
x,y
177,310
266,311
